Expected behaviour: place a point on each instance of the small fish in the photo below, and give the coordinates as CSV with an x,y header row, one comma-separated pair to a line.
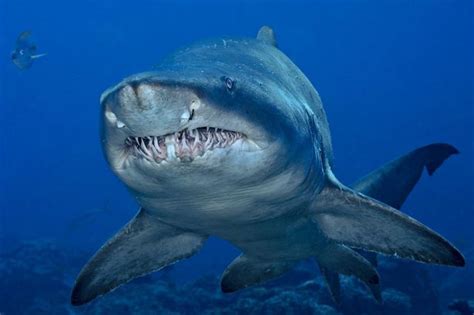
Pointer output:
x,y
25,51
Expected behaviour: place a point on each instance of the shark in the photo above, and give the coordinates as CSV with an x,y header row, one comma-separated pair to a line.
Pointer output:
x,y
229,138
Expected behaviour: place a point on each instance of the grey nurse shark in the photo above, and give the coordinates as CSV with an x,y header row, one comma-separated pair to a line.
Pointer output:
x,y
229,138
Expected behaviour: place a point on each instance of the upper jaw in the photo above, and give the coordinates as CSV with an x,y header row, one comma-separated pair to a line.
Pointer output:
x,y
185,145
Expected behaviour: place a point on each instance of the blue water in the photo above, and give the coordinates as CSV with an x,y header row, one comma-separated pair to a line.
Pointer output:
x,y
393,76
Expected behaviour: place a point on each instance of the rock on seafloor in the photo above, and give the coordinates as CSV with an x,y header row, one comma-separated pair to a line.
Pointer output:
x,y
37,278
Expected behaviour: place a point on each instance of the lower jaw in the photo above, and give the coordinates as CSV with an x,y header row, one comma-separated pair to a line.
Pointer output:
x,y
172,157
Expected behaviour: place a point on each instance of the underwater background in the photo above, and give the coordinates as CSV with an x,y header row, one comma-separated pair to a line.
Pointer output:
x,y
392,75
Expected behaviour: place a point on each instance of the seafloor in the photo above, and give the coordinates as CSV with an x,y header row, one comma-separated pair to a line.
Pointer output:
x,y
37,278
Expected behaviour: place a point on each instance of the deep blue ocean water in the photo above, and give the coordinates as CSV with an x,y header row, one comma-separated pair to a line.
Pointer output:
x,y
393,76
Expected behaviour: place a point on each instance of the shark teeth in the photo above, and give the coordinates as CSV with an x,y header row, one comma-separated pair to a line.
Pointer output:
x,y
183,145
170,150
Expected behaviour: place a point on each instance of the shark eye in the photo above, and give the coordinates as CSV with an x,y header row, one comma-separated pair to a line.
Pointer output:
x,y
229,83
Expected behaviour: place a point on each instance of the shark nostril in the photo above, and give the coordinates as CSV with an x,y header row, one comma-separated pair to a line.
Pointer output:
x,y
195,104
134,85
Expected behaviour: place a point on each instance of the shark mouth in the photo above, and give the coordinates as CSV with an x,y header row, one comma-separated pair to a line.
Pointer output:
x,y
184,145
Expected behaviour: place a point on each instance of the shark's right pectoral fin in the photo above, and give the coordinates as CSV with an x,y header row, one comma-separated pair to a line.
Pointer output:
x,y
144,245
356,220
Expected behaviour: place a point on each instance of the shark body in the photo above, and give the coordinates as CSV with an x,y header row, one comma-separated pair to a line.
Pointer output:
x,y
229,138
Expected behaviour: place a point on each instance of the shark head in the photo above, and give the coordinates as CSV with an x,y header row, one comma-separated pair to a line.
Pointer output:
x,y
191,131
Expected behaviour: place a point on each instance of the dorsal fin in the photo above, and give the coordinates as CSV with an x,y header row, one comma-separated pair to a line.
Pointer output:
x,y
267,36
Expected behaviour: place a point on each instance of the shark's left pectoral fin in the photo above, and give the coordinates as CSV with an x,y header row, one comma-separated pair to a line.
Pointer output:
x,y
356,220
144,245
247,271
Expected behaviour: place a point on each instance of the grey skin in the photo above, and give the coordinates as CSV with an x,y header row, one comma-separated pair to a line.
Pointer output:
x,y
263,181
25,52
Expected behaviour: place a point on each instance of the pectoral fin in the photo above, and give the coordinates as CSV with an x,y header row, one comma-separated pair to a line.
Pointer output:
x,y
246,271
144,245
393,182
356,220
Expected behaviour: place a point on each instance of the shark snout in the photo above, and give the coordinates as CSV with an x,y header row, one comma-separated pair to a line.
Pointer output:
x,y
147,107
119,101
132,96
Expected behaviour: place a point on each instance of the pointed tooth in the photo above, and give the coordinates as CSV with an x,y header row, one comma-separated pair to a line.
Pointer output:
x,y
156,154
146,150
170,149
208,142
185,148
